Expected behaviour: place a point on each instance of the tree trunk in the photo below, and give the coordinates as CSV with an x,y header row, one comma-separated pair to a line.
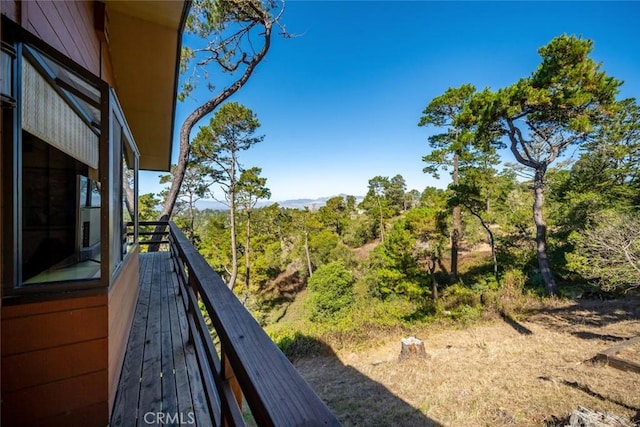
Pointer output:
x,y
492,241
246,253
412,347
432,274
541,233
306,251
232,219
190,122
381,221
192,233
494,255
457,222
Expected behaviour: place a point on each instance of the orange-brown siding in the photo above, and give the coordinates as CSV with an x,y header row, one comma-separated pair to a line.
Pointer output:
x,y
54,360
61,360
122,303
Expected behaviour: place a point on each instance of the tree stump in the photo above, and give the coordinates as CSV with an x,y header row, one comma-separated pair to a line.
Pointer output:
x,y
412,347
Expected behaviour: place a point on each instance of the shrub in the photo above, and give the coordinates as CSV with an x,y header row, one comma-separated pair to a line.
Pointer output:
x,y
608,251
458,295
512,298
330,290
296,345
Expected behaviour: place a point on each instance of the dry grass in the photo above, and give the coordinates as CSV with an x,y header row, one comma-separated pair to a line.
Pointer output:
x,y
499,372
631,353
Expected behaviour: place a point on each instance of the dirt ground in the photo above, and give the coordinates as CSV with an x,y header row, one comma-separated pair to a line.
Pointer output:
x,y
529,372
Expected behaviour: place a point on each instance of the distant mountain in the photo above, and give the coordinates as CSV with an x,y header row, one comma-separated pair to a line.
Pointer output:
x,y
291,204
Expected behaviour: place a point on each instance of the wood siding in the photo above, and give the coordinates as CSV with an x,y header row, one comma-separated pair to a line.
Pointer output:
x,y
61,370
69,366
69,27
122,302
10,9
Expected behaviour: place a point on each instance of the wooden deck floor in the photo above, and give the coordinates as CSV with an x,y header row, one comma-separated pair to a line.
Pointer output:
x,y
160,382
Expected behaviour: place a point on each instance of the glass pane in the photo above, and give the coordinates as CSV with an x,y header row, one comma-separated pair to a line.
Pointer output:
x,y
60,216
128,213
116,194
5,72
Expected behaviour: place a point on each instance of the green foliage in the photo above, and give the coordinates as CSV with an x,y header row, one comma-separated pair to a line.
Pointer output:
x,y
296,345
567,100
359,231
457,296
251,188
148,207
267,263
331,290
395,268
608,251
230,131
450,110
335,214
402,265
322,246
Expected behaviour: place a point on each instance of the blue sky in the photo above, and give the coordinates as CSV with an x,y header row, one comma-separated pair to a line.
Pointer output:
x,y
340,103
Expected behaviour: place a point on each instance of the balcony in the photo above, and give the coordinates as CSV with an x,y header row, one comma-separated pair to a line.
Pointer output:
x,y
178,372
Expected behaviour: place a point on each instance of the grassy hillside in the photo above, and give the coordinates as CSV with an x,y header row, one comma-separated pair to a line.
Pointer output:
x,y
514,358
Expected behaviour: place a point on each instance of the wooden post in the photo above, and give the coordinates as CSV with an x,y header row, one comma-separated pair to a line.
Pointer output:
x,y
412,347
230,377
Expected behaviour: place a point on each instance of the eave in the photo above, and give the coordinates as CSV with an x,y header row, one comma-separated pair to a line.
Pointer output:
x,y
144,39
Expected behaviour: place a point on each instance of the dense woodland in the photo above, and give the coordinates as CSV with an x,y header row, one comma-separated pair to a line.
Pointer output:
x,y
543,199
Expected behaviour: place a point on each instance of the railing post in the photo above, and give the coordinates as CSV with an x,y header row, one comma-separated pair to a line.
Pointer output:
x,y
230,377
192,310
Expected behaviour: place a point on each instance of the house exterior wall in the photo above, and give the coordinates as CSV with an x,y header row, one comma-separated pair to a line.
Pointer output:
x,y
55,362
69,27
122,301
10,8
61,358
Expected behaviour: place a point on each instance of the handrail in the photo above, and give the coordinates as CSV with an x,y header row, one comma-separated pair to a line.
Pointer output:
x,y
248,364
163,236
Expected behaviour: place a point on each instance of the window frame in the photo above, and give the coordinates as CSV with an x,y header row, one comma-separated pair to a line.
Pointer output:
x,y
21,41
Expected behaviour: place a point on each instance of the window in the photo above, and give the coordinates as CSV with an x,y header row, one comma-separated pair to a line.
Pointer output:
x,y
69,165
60,215
60,198
124,190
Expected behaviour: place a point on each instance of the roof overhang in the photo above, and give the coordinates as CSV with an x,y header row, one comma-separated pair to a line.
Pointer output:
x,y
145,42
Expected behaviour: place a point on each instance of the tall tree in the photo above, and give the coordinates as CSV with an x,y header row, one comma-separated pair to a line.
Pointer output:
x,y
449,111
194,187
251,188
334,214
474,193
610,163
147,207
395,193
560,105
238,37
217,146
376,203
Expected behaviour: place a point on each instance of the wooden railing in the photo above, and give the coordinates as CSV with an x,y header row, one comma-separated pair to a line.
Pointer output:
x,y
245,362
